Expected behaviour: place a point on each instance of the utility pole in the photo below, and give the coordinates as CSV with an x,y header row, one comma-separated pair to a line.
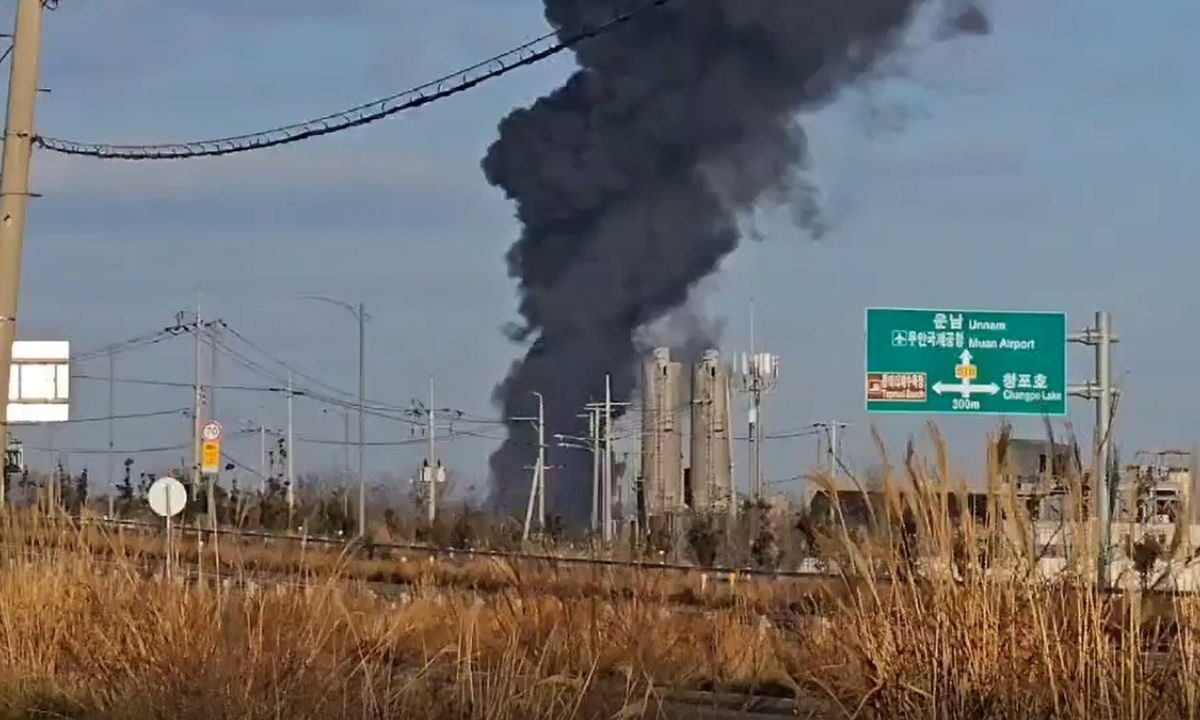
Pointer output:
x,y
212,372
215,477
433,473
833,446
346,463
541,460
1100,390
602,462
537,483
197,401
591,443
362,392
14,179
345,443
112,479
262,453
291,457
594,444
607,484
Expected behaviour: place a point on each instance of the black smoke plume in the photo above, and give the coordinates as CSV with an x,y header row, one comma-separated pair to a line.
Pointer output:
x,y
629,181
966,18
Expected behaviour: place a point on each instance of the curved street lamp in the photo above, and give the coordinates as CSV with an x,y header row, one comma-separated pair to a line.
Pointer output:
x,y
360,315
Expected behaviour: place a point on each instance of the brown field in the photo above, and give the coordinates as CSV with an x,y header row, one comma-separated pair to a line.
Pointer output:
x,y
88,630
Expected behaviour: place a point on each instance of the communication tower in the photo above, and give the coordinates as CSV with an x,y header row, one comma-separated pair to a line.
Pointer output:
x,y
759,373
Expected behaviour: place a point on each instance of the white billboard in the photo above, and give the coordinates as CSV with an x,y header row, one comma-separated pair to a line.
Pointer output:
x,y
39,386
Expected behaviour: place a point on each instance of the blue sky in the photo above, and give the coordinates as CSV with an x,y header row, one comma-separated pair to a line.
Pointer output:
x,y
1051,165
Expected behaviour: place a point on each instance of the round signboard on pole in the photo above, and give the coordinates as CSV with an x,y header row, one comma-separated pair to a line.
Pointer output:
x,y
211,431
167,497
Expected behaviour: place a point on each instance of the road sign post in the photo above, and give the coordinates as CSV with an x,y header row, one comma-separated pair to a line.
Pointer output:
x,y
167,498
211,431
966,362
210,448
210,457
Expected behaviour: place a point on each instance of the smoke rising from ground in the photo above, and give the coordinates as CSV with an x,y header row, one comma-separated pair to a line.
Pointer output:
x,y
629,181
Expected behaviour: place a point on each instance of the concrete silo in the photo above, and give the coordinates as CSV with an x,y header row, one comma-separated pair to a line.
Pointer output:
x,y
711,446
663,408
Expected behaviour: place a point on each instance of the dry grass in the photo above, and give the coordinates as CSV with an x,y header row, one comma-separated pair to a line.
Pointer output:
x,y
85,633
239,558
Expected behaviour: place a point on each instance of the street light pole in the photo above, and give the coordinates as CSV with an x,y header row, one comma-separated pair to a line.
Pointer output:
x,y
360,314
362,392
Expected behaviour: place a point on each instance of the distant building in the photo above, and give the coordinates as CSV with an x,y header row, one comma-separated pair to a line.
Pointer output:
x,y
857,507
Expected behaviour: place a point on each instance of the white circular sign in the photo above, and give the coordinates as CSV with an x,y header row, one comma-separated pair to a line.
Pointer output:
x,y
167,497
211,431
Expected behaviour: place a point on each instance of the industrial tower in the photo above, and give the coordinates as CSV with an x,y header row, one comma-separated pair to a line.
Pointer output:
x,y
662,437
711,448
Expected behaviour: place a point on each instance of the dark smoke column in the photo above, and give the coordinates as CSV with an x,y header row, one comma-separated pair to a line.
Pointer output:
x,y
630,178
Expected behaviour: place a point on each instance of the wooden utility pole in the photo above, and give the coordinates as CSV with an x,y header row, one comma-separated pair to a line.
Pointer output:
x,y
14,179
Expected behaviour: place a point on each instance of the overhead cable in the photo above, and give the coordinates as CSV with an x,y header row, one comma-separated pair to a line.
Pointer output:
x,y
101,451
525,55
128,416
134,343
180,384
347,397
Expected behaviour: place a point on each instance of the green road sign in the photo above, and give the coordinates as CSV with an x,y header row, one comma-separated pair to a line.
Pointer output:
x,y
966,362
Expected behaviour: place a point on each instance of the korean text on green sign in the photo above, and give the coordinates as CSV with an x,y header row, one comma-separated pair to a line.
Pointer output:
x,y
966,362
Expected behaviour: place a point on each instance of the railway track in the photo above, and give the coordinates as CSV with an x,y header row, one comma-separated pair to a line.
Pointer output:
x,y
454,554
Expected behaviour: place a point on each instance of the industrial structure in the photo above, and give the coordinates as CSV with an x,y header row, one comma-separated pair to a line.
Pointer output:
x,y
1038,474
662,435
711,473
1157,488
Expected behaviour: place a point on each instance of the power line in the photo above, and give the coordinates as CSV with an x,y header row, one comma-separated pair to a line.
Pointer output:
x,y
332,401
101,451
135,343
128,416
188,385
374,409
525,55
348,398
393,443
243,466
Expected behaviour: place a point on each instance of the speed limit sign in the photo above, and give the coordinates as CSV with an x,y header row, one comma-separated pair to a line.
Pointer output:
x,y
211,431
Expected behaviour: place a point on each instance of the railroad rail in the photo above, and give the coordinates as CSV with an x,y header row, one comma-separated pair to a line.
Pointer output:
x,y
369,546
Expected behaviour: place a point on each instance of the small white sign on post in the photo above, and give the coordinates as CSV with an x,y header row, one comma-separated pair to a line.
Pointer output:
x,y
167,498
